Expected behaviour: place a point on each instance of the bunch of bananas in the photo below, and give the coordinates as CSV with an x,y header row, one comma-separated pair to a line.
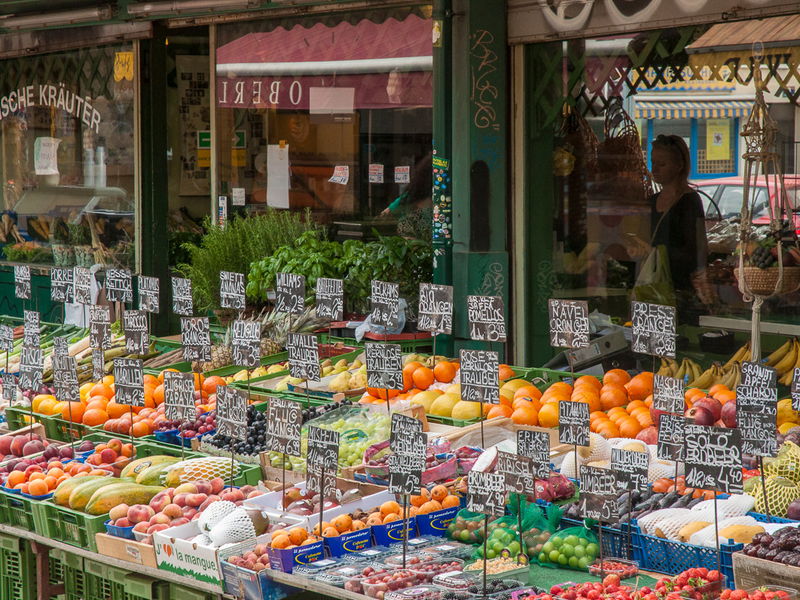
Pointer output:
x,y
728,375
785,360
686,370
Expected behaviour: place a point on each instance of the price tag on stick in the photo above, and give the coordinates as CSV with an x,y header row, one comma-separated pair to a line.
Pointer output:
x,y
60,345
669,445
196,339
486,493
631,468
119,285
303,353
22,282
231,412
9,387
61,286
99,327
137,336
182,303
480,376
435,310
231,290
65,378
713,458
31,331
6,338
290,293
756,416
284,423
403,435
31,366
536,446
98,364
128,381
569,323
330,299
573,423
323,448
517,472
384,366
149,294
314,475
405,473
598,494
385,301
82,285
668,394
758,375
486,318
246,343
653,329
179,396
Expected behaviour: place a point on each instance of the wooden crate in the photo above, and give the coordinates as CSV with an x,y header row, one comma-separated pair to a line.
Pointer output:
x,y
750,572
129,550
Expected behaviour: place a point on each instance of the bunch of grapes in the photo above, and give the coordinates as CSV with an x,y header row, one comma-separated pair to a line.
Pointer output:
x,y
762,258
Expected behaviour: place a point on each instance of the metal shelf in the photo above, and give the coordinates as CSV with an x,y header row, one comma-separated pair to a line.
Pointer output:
x,y
735,324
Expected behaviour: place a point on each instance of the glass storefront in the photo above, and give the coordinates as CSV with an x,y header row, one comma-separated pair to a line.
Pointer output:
x,y
67,157
330,116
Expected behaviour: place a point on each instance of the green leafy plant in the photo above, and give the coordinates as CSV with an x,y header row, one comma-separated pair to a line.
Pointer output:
x,y
395,259
234,247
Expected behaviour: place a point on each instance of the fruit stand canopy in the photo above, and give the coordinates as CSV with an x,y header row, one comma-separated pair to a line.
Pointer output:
x,y
367,65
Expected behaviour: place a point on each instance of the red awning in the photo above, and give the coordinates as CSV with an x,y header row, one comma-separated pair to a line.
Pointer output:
x,y
378,65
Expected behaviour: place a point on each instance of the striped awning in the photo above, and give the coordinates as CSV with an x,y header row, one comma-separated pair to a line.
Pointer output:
x,y
681,109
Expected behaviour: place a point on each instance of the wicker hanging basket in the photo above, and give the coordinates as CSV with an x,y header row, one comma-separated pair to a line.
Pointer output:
x,y
764,282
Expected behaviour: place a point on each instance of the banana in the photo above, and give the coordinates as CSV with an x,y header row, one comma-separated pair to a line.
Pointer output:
x,y
774,358
681,370
737,356
664,369
786,378
696,369
789,360
704,380
729,378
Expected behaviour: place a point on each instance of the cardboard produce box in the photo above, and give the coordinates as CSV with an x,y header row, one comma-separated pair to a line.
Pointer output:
x,y
124,549
750,572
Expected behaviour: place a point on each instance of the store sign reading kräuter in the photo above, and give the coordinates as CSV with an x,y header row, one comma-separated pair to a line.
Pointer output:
x,y
53,96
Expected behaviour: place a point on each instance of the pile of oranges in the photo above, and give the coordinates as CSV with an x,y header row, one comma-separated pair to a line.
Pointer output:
x,y
97,407
416,378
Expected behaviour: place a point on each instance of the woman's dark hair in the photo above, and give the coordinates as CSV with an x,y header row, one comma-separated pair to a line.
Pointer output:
x,y
420,182
675,145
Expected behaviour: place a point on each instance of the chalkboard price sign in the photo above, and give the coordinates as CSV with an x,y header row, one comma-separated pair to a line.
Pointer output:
x,y
98,364
65,378
569,323
758,375
290,293
179,396
757,410
713,458
631,468
61,289
405,474
314,475
148,294
137,337
231,412
31,366
9,387
330,299
129,381
196,338
284,422
246,343
31,331
653,328
573,423
22,282
795,391
405,435
536,446
758,433
6,338
82,285
385,301
598,494
486,493
384,366
99,326
323,448
231,290
182,303
119,285
480,372
303,353
669,445
668,394
60,345
435,311
486,318
517,472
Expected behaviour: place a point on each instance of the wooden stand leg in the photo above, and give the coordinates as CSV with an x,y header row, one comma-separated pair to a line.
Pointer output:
x,y
44,590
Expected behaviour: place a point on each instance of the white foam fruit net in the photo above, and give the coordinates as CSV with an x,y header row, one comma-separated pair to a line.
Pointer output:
x,y
599,449
568,465
705,537
207,468
735,506
649,522
214,513
234,527
671,526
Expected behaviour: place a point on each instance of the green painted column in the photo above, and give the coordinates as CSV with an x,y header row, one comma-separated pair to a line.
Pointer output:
x,y
480,92
154,199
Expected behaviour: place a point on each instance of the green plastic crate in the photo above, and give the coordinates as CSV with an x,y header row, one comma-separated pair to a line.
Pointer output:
x,y
66,525
15,589
16,558
140,587
542,377
99,583
56,428
17,511
451,421
181,592
73,577
18,417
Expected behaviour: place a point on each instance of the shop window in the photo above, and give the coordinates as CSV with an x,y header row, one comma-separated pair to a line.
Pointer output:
x,y
67,157
332,117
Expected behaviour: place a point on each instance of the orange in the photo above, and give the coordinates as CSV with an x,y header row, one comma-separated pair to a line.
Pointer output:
x,y
526,415
342,523
297,535
725,396
588,380
72,411
150,380
714,389
161,375
47,406
692,393
548,415
629,428
211,383
115,411
391,517
424,496
94,417
526,402
499,410
506,372
158,395
608,430
613,395
382,394
390,507
423,378
37,400
450,501
412,366
444,372
617,376
530,391
101,389
560,386
645,420
641,386
99,404
108,380
280,541
597,414
589,396
439,493
635,404
38,487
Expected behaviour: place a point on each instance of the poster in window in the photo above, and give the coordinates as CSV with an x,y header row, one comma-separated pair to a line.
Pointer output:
x,y
193,108
718,139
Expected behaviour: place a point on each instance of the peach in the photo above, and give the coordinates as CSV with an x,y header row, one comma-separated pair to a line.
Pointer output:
x,y
119,511
139,513
217,485
173,511
157,527
179,521
195,500
255,493
5,444
196,516
122,522
260,549
212,498
180,498
190,513
18,443
232,495
159,518
246,489
203,487
160,501
141,527
186,488
108,456
115,444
